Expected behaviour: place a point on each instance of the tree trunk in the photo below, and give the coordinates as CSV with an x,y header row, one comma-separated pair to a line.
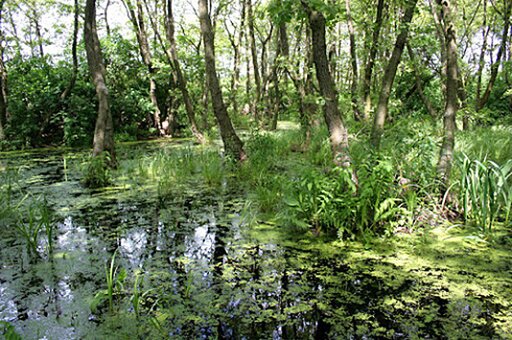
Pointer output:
x,y
254,55
419,86
181,80
105,15
236,45
137,20
74,56
353,61
39,35
495,66
337,131
367,82
446,154
389,75
3,77
233,146
104,130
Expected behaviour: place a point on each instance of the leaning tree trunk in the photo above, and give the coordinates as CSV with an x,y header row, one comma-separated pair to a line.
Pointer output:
x,y
337,130
389,76
104,130
232,144
450,111
180,78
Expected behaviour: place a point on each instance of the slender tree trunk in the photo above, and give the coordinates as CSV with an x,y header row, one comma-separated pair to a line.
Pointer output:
x,y
74,56
137,20
358,115
39,35
419,86
389,75
441,38
367,81
181,80
495,66
233,146
446,154
3,77
254,55
104,130
337,131
105,15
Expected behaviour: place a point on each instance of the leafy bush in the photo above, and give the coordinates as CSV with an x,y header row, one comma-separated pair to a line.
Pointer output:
x,y
333,202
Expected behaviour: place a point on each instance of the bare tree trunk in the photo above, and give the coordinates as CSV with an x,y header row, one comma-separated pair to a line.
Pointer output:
x,y
74,56
181,80
358,115
389,75
446,155
104,130
254,55
337,131
137,20
233,146
3,77
39,35
419,86
105,15
367,82
495,66
236,45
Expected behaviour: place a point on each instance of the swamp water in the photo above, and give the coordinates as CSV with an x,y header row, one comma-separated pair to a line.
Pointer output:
x,y
190,265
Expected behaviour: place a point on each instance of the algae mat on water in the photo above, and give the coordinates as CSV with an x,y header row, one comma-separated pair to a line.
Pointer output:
x,y
190,265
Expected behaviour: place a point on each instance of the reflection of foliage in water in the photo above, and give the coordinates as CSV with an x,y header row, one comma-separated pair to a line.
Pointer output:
x,y
204,274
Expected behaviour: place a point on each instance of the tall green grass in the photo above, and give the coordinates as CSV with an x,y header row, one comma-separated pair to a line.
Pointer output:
x,y
485,191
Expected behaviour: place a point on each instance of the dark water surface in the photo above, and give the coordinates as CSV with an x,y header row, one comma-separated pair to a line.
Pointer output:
x,y
206,273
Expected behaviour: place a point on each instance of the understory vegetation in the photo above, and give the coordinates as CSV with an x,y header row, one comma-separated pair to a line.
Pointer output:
x,y
259,169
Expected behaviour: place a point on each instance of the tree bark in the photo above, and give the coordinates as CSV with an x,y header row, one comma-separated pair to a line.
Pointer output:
x,y
419,86
367,82
337,130
3,76
104,130
254,55
233,146
501,51
358,115
236,43
137,20
74,56
446,154
389,75
180,78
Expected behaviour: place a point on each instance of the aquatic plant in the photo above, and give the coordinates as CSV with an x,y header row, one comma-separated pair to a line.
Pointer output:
x,y
114,279
211,168
32,220
485,191
97,173
8,331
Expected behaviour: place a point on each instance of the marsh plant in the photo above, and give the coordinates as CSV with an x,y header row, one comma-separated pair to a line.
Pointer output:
x,y
485,192
34,220
114,279
97,172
